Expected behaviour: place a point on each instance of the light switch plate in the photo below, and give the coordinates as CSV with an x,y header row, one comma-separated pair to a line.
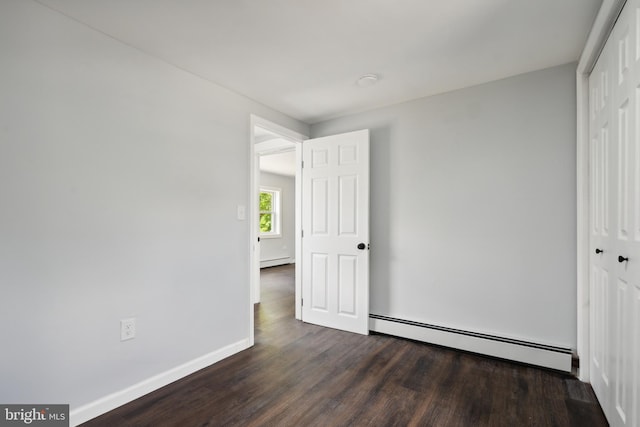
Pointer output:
x,y
242,212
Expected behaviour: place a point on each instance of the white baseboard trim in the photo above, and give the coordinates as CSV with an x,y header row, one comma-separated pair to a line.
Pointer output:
x,y
107,403
276,262
520,351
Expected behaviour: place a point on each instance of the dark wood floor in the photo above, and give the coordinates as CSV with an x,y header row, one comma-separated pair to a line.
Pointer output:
x,y
303,375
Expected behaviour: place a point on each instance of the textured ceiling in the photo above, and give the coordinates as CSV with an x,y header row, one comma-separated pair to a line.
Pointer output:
x,y
303,57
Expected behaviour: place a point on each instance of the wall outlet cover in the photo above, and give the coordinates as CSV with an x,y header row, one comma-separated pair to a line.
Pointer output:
x,y
127,329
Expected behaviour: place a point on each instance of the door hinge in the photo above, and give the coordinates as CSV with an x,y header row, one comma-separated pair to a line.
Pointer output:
x,y
301,301
303,164
302,233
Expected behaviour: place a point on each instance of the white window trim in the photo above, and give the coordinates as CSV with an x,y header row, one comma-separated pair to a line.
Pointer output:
x,y
276,213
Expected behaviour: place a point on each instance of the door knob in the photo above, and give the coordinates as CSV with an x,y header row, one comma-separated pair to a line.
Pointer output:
x,y
622,259
361,246
599,251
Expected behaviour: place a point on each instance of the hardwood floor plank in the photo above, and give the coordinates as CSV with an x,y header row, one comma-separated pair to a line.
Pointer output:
x,y
299,374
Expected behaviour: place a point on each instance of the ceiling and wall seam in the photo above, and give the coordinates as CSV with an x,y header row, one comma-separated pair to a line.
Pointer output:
x,y
158,58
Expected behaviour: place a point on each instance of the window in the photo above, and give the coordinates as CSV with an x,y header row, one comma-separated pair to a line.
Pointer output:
x,y
270,212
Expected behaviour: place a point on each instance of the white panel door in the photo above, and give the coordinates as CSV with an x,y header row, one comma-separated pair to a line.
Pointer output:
x,y
335,226
602,187
615,221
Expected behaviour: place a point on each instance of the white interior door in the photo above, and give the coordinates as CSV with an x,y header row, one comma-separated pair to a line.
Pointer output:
x,y
601,197
615,222
335,227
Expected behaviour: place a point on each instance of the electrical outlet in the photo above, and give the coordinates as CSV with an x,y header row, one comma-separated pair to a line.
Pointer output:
x,y
127,329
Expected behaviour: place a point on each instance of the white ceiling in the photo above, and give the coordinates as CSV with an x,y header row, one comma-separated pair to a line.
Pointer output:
x,y
303,57
278,155
280,164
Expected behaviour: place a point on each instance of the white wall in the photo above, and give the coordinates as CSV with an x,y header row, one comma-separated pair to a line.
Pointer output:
x,y
280,250
119,181
473,207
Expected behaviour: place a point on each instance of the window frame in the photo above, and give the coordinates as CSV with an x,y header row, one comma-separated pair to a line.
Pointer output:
x,y
276,212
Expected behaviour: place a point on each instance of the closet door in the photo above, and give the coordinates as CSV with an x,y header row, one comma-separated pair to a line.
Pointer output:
x,y
615,221
601,200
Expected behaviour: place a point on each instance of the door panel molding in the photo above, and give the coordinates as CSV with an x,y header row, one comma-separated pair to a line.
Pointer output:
x,y
335,205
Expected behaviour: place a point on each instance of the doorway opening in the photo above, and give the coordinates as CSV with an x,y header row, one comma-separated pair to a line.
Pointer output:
x,y
275,206
277,302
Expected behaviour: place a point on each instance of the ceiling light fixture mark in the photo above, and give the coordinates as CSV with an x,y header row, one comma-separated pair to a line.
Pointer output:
x,y
367,80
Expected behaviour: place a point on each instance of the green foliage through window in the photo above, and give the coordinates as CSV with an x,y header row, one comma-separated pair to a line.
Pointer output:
x,y
265,223
268,206
266,200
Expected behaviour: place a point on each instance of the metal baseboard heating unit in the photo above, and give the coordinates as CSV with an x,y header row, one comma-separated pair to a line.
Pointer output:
x,y
273,262
505,348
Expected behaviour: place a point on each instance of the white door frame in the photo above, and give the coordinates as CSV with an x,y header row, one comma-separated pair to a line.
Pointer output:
x,y
600,31
254,188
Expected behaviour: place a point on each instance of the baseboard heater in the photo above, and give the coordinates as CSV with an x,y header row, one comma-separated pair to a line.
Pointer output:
x,y
272,262
505,348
